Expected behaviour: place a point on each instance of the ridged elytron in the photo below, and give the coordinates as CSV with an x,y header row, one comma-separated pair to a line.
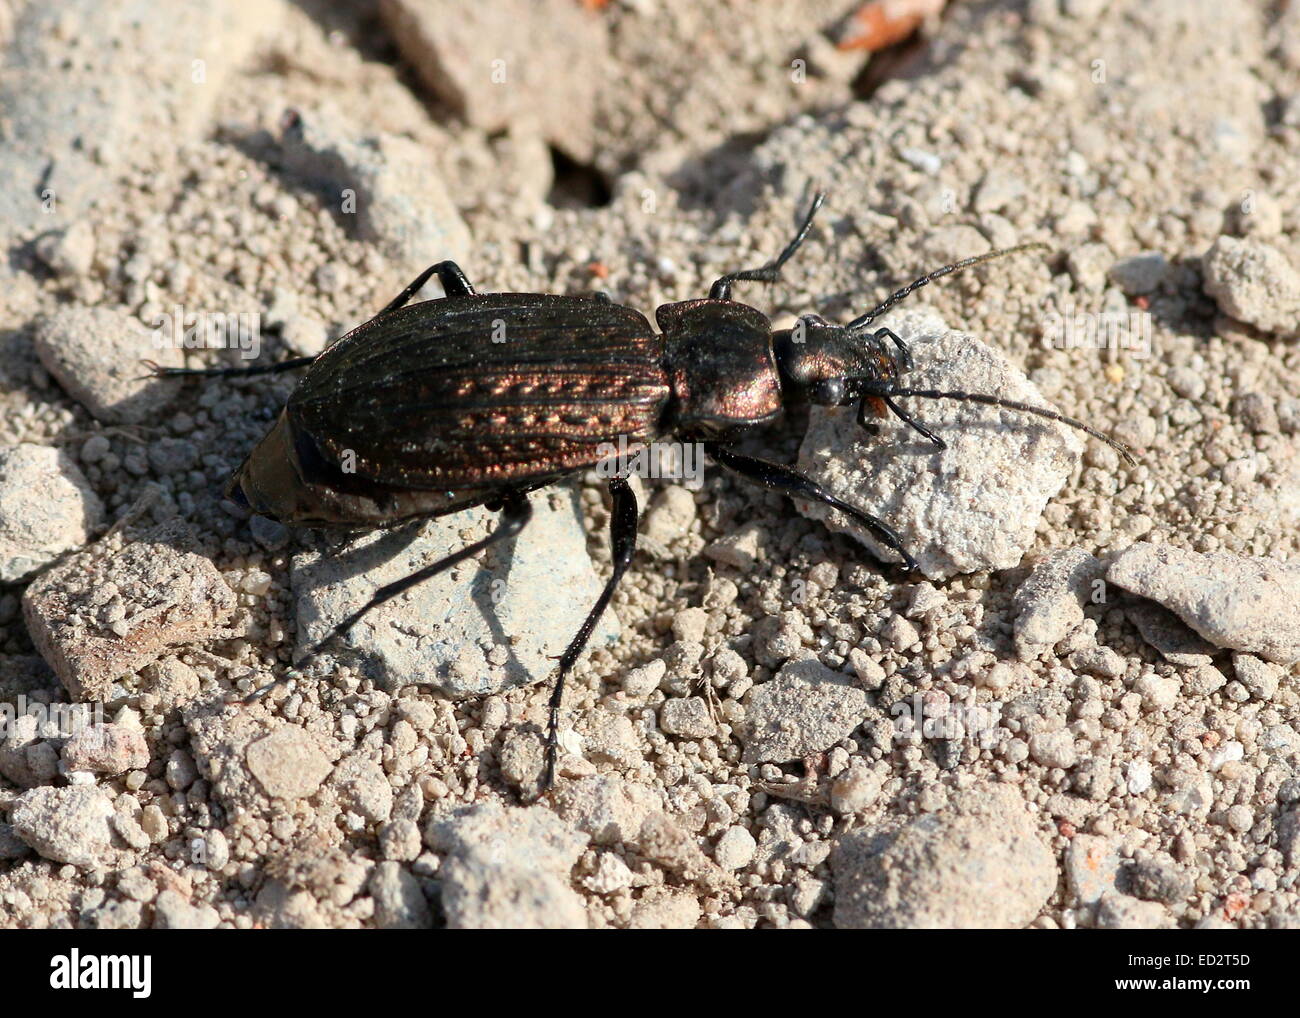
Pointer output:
x,y
433,416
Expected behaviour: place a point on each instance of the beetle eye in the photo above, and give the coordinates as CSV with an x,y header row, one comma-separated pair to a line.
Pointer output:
x,y
828,392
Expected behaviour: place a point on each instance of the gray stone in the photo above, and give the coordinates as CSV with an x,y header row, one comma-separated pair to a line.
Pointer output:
x,y
110,610
507,868
1253,282
1140,274
1260,677
1049,603
980,863
606,808
46,508
1245,604
399,902
735,849
97,355
686,717
1120,912
363,787
75,123
974,506
806,708
69,824
1155,880
11,846
1176,642
388,185
489,624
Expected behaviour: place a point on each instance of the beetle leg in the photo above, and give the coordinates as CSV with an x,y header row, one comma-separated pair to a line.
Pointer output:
x,y
622,537
768,273
157,371
903,416
904,352
790,482
515,514
454,284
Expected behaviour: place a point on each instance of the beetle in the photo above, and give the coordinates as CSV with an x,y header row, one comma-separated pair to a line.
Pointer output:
x,y
430,415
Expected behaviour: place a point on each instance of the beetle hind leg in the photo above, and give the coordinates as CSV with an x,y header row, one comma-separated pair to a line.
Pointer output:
x,y
454,284
622,536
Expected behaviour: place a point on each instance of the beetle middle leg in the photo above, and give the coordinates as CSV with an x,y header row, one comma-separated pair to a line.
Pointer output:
x,y
622,537
790,482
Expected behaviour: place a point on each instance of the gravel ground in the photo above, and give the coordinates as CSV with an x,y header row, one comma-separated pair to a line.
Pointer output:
x,y
1085,713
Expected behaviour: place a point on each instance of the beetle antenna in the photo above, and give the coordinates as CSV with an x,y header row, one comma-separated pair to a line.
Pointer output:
x,y
1010,404
863,321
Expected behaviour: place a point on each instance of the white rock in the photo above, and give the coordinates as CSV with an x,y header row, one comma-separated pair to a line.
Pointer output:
x,y
971,507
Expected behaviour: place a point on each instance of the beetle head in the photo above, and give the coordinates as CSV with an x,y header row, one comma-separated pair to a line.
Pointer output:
x,y
834,365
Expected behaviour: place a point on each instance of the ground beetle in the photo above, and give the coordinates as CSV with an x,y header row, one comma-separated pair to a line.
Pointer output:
x,y
418,412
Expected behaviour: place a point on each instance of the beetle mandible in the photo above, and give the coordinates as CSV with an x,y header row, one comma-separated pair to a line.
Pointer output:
x,y
435,417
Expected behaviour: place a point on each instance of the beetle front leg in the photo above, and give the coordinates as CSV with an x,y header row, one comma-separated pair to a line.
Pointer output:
x,y
790,482
622,538
721,290
902,415
454,284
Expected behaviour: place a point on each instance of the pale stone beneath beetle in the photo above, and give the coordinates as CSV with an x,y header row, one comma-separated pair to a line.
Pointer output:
x,y
489,624
1245,604
979,863
973,506
47,507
